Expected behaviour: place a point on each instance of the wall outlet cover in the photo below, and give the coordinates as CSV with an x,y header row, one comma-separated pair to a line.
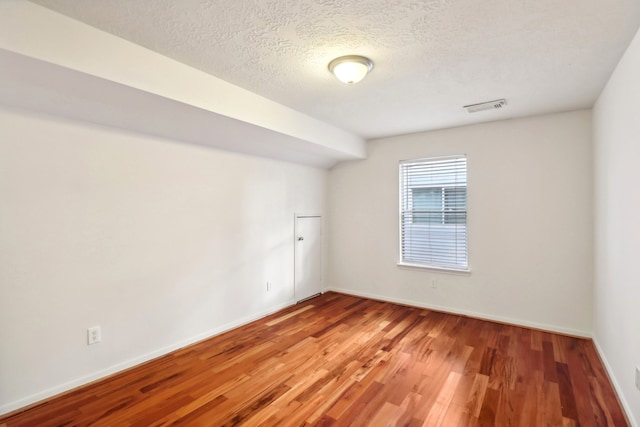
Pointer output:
x,y
93,335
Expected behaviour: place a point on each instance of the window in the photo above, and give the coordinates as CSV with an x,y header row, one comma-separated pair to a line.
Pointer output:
x,y
433,212
439,205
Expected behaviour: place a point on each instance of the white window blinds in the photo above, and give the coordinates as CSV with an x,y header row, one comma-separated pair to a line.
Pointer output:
x,y
433,212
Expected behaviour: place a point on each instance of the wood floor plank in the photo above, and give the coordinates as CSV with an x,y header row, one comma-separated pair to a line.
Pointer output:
x,y
553,404
340,360
476,395
439,409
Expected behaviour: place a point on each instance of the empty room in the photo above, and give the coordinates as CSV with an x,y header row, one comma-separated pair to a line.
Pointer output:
x,y
318,212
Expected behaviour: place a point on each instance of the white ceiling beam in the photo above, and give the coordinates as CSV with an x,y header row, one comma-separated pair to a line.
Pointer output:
x,y
32,31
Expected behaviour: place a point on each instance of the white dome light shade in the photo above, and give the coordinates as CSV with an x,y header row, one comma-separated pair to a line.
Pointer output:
x,y
350,69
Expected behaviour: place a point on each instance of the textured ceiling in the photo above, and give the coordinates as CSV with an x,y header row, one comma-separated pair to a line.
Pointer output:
x,y
431,56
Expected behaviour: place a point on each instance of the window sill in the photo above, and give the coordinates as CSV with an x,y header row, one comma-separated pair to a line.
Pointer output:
x,y
427,267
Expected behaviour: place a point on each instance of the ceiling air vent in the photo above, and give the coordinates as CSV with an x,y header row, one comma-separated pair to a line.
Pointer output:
x,y
490,105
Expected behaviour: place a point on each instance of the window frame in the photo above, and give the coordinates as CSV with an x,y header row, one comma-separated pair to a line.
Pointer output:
x,y
401,188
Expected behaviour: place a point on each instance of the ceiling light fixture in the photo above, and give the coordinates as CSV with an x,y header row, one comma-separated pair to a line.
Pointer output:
x,y
351,68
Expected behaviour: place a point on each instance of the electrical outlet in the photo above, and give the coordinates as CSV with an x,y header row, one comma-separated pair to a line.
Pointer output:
x,y
434,283
268,286
93,335
638,377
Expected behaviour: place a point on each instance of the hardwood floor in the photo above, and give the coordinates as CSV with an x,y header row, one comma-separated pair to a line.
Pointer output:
x,y
342,360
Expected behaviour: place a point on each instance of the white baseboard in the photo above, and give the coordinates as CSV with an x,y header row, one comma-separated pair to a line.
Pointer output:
x,y
61,388
452,310
616,385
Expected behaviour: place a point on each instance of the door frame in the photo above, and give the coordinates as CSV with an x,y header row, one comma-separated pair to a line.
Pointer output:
x,y
297,215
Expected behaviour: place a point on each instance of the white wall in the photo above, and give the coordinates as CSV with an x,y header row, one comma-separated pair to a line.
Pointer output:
x,y
160,243
530,223
617,237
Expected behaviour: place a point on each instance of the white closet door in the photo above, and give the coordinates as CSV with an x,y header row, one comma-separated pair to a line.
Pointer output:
x,y
308,252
